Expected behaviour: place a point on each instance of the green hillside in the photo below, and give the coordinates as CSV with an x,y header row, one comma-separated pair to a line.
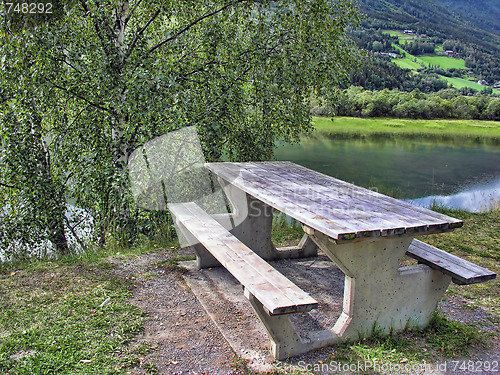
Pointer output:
x,y
440,17
429,45
484,14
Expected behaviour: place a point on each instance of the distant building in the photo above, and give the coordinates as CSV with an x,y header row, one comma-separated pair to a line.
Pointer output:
x,y
448,53
496,85
483,82
408,31
390,54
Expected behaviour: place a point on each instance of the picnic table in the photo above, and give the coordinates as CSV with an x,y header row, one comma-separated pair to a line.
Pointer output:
x,y
366,234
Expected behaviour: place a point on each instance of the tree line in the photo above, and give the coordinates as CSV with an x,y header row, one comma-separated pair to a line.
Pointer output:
x,y
445,104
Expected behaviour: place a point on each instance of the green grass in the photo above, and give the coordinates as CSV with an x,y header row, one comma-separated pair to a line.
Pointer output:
x,y
443,62
488,131
407,63
418,62
285,233
442,339
70,316
461,82
478,241
402,37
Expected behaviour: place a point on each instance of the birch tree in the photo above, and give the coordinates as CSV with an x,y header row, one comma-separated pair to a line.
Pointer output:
x,y
124,72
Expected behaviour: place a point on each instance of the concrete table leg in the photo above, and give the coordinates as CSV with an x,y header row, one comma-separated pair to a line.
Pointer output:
x,y
251,222
380,296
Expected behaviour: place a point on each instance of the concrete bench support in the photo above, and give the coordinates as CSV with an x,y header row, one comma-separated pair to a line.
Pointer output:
x,y
376,289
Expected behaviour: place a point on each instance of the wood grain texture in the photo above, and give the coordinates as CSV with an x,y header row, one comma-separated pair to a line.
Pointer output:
x,y
276,293
336,208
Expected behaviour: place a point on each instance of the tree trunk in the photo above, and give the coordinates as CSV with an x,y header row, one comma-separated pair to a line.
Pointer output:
x,y
57,234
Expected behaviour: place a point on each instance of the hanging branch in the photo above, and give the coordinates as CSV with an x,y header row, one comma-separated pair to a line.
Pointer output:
x,y
194,23
8,186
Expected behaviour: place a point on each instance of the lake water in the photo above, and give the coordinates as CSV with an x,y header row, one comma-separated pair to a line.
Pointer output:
x,y
419,170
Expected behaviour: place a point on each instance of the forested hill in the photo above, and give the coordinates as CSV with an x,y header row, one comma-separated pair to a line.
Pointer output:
x,y
484,14
431,45
470,21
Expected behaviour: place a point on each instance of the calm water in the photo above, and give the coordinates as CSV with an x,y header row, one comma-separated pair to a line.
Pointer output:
x,y
422,171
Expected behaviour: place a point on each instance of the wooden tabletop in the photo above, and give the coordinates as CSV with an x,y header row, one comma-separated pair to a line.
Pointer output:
x,y
340,210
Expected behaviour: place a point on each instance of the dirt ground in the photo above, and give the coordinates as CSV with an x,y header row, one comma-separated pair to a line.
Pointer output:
x,y
186,340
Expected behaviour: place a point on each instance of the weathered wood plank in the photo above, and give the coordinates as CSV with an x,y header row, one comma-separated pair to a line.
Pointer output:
x,y
461,271
359,211
352,193
277,294
228,245
334,207
319,177
230,256
260,188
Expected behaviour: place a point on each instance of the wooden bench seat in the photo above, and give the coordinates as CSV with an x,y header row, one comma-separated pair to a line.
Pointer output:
x,y
461,271
276,293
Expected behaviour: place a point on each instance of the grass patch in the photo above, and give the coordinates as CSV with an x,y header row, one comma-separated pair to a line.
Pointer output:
x,y
355,127
444,62
284,232
462,82
407,63
478,241
442,339
68,316
65,319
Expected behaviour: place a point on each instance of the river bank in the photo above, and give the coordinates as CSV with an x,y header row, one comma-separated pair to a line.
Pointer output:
x,y
355,127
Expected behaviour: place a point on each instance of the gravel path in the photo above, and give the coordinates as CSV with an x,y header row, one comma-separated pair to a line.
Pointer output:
x,y
184,340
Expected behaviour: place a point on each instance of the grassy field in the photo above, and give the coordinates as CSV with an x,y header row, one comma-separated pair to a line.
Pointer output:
x,y
353,126
418,62
402,37
461,82
407,63
443,62
69,316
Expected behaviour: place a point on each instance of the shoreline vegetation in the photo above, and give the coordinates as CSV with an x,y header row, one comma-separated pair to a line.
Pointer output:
x,y
469,131
444,104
